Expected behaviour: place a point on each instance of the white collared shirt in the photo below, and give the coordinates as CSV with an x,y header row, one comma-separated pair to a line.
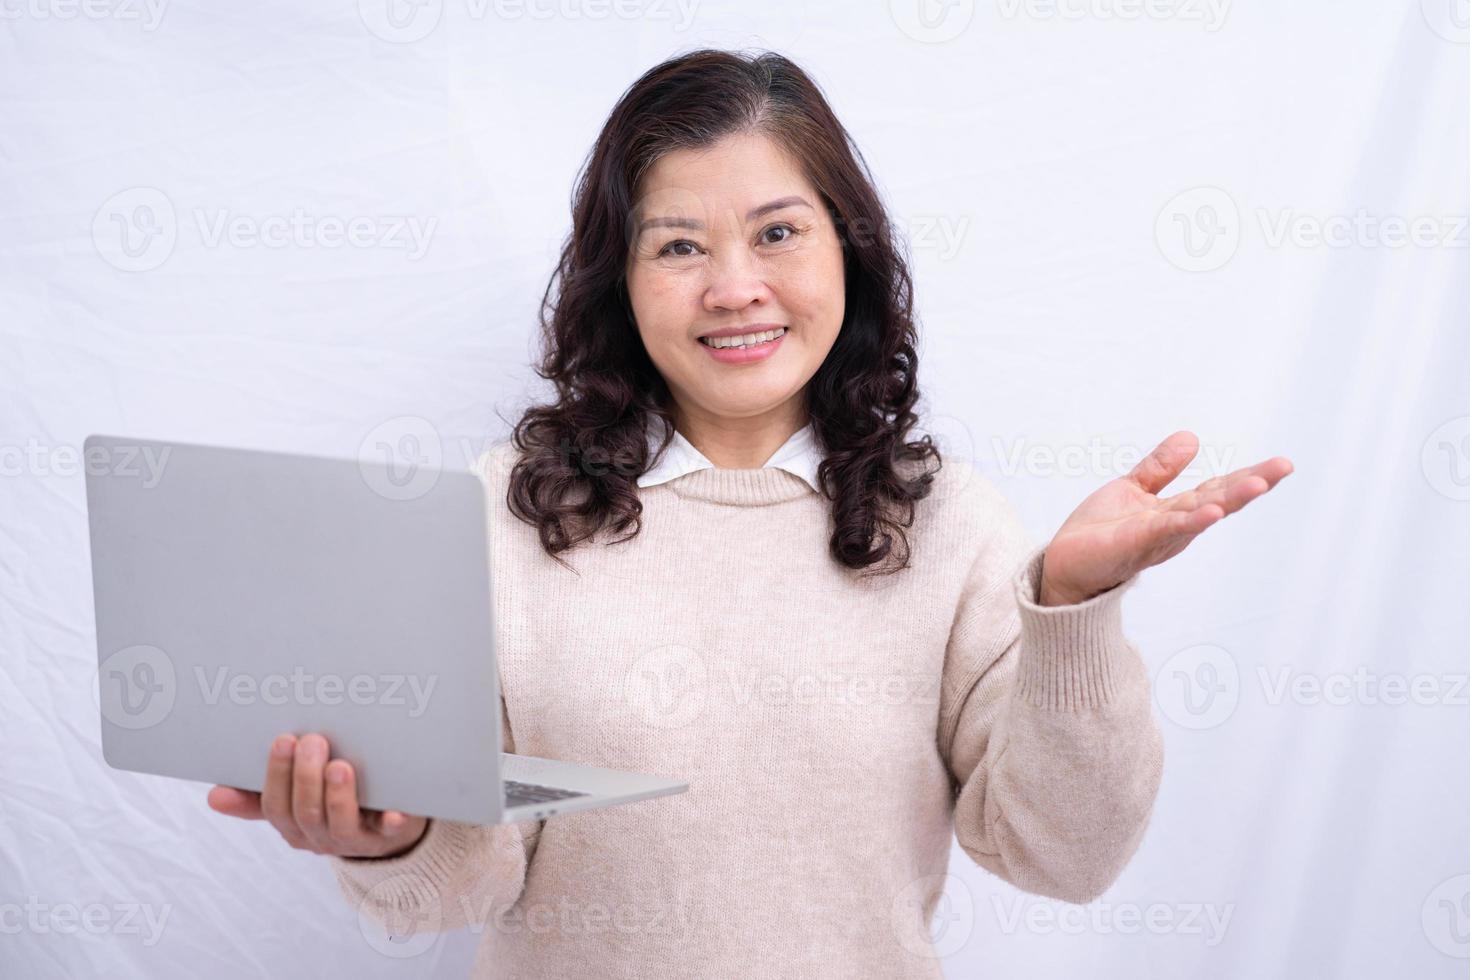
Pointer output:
x,y
797,455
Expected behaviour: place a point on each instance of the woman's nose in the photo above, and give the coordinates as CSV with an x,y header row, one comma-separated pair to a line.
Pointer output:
x,y
736,283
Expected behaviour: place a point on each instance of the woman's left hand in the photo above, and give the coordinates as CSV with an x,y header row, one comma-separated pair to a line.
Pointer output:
x,y
1125,527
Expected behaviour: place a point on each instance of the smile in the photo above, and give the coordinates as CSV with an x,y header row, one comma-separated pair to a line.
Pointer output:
x,y
743,340
744,348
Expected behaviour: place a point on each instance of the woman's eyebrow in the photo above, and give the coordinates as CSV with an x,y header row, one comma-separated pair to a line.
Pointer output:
x,y
776,205
695,224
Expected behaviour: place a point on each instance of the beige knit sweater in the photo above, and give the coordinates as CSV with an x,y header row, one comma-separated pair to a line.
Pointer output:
x,y
835,733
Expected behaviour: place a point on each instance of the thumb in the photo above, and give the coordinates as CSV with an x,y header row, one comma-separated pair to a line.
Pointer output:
x,y
234,802
1168,459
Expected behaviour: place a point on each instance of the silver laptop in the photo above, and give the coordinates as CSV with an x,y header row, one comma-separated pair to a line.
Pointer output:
x,y
240,594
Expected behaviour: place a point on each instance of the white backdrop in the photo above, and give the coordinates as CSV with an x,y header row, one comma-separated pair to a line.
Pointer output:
x,y
309,227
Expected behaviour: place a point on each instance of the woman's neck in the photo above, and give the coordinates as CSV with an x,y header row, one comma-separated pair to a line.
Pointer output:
x,y
740,443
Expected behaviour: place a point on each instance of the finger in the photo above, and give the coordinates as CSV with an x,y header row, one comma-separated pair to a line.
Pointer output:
x,y
1190,523
401,831
308,790
234,802
375,821
1170,532
345,823
1272,471
1235,494
1168,459
1188,526
1230,493
388,825
394,824
1165,526
275,799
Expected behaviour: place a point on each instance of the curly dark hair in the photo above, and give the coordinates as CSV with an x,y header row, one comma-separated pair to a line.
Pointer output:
x,y
608,391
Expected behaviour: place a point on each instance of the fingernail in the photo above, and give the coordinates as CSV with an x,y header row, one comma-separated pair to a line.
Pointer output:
x,y
337,774
283,746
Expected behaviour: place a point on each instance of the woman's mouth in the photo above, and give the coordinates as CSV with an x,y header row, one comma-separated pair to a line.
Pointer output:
x,y
744,348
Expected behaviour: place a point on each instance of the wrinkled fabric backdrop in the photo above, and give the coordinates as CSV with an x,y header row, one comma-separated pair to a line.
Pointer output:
x,y
326,228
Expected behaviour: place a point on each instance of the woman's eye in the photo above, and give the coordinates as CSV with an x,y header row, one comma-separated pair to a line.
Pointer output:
x,y
672,248
786,229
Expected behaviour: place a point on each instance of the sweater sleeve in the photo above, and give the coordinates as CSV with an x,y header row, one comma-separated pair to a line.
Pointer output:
x,y
1046,727
457,874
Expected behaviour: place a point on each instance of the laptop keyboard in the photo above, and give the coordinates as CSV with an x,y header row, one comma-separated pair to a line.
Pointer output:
x,y
517,794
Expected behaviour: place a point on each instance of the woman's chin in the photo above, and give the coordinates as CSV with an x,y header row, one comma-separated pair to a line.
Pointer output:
x,y
749,402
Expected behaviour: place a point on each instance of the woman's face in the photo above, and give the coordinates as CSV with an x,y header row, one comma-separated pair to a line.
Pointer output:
x,y
734,239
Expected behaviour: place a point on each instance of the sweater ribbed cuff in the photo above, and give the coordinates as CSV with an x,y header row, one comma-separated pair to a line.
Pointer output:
x,y
1070,655
413,879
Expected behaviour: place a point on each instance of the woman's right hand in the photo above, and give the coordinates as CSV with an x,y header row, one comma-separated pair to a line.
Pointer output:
x,y
312,803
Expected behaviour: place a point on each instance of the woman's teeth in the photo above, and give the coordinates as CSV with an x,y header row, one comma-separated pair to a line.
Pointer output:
x,y
744,340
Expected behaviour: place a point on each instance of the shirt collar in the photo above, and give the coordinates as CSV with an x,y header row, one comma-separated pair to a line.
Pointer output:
x,y
798,456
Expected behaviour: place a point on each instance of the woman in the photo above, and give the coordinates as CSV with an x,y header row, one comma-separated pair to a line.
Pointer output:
x,y
718,555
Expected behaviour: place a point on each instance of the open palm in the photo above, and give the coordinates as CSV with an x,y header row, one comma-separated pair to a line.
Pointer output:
x,y
1125,527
